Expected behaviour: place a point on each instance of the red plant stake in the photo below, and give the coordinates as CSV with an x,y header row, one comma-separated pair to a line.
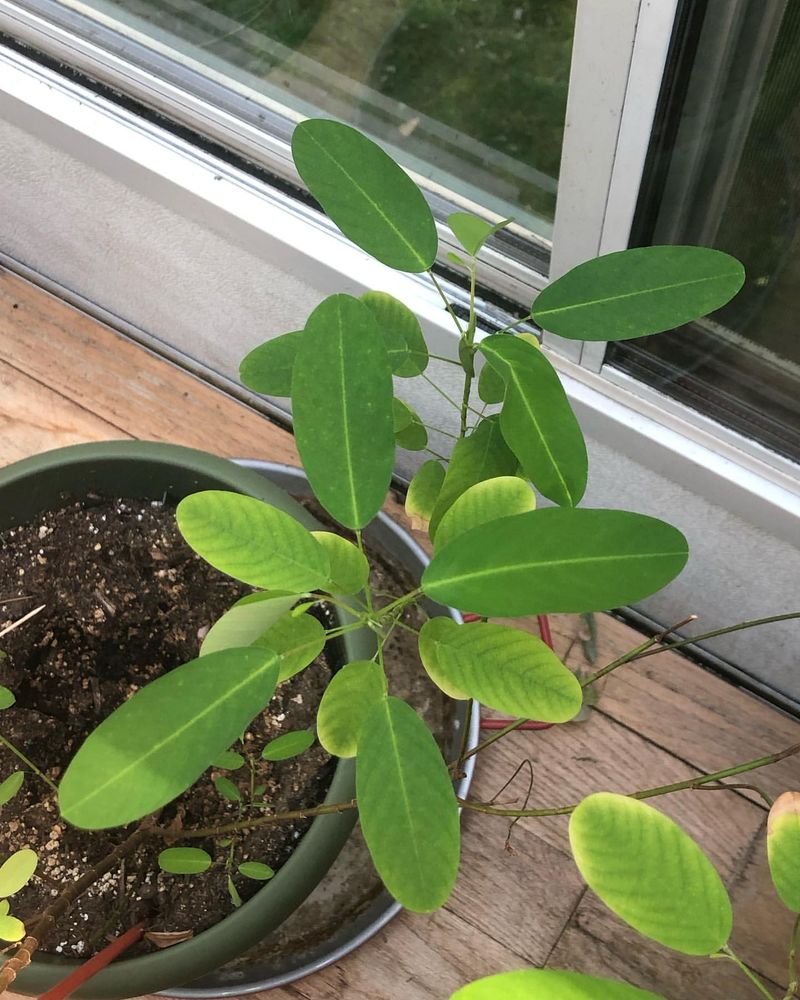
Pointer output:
x,y
91,967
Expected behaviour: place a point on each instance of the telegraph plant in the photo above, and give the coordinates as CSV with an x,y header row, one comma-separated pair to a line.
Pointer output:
x,y
509,538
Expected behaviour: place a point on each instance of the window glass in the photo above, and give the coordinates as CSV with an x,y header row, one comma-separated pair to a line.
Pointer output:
x,y
469,93
725,172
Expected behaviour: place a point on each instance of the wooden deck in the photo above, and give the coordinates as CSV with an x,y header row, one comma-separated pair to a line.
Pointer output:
x,y
66,378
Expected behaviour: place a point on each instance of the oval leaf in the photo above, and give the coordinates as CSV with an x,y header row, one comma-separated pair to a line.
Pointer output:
x,y
349,566
407,806
537,420
650,873
184,860
783,848
634,293
343,410
471,231
504,668
369,197
558,559
256,870
268,368
249,618
11,929
161,740
17,870
226,788
408,352
348,699
423,492
298,641
550,984
409,430
491,387
10,787
228,761
483,502
252,541
288,745
482,455
7,698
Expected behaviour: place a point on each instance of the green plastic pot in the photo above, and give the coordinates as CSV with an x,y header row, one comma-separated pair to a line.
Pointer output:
x,y
146,470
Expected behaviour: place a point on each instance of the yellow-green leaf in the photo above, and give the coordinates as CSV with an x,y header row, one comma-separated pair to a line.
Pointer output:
x,y
423,492
349,566
408,352
289,745
483,502
783,848
17,870
246,620
11,929
256,870
297,639
7,698
550,984
471,231
348,699
184,860
10,787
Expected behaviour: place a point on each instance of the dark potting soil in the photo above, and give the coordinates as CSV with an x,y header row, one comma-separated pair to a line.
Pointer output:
x,y
125,600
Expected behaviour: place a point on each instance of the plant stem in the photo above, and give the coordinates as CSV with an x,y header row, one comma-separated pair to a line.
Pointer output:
x,y
494,738
445,395
441,357
400,602
249,824
510,326
635,653
793,981
446,301
29,763
762,989
646,793
752,623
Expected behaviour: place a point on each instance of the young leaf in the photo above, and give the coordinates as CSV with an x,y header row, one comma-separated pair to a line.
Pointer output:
x,y
485,501
17,870
268,368
491,387
288,745
349,566
184,860
407,806
233,892
537,420
246,620
634,293
229,760
11,929
650,873
256,870
348,699
455,259
402,415
5,906
482,455
558,559
408,352
504,668
369,197
423,492
550,984
10,787
252,541
343,410
298,641
409,430
471,231
7,698
226,788
783,848
161,740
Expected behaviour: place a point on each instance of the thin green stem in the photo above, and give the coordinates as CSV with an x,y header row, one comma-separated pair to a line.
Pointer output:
x,y
762,989
439,430
400,602
441,357
635,653
752,623
469,363
445,395
446,301
29,763
258,821
511,326
791,993
494,738
436,454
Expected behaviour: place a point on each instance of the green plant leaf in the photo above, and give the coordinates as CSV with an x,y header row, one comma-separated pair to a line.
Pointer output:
x,y
483,502
482,455
409,430
471,231
7,698
256,870
16,871
491,387
161,740
407,806
550,984
455,259
369,197
423,492
233,892
408,352
11,929
289,745
229,760
184,860
504,668
298,641
252,541
226,788
783,848
650,873
10,787
5,906
558,559
537,420
348,699
634,293
349,566
246,620
343,410
268,368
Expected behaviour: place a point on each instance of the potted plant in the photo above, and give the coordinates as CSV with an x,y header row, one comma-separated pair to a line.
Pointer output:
x,y
497,551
